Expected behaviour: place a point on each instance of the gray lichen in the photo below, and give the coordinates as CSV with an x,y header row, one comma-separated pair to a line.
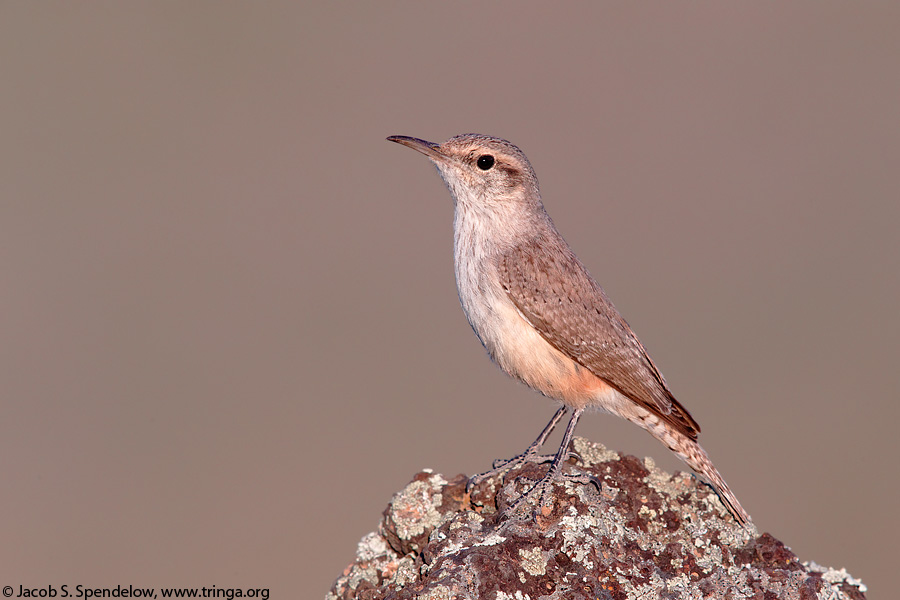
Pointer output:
x,y
646,534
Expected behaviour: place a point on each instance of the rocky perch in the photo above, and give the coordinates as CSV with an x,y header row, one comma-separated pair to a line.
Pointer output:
x,y
646,534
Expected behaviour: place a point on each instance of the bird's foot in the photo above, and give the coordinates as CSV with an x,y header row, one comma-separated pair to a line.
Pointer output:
x,y
544,487
501,465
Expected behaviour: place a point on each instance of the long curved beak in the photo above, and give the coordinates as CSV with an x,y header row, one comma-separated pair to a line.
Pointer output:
x,y
429,149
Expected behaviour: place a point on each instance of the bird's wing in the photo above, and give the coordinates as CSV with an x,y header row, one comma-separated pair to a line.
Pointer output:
x,y
556,294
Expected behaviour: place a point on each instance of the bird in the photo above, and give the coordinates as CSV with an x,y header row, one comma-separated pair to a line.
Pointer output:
x,y
540,315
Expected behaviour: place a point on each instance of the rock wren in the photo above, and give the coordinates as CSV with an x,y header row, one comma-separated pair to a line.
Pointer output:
x,y
541,316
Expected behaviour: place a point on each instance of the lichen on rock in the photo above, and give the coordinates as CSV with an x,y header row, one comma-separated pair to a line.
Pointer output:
x,y
645,534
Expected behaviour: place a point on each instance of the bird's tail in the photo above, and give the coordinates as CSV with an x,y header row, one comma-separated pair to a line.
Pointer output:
x,y
697,459
694,456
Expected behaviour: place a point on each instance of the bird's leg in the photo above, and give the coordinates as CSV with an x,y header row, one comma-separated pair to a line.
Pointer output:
x,y
555,471
530,454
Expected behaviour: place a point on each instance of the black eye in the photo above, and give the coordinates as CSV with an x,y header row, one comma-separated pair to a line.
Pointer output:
x,y
485,162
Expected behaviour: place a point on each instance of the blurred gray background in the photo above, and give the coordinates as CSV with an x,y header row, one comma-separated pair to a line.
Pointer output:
x,y
230,327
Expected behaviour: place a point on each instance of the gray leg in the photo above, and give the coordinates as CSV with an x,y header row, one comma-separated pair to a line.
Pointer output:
x,y
555,470
530,454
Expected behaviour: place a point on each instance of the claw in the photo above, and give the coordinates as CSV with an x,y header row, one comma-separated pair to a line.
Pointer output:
x,y
545,484
531,455
502,465
556,467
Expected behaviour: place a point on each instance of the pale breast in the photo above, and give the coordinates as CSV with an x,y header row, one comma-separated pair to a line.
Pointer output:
x,y
521,351
513,343
524,354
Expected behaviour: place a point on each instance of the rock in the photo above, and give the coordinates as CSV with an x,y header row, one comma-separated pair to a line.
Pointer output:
x,y
646,534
